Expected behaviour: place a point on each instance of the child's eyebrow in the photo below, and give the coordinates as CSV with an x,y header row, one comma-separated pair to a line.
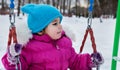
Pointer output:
x,y
55,20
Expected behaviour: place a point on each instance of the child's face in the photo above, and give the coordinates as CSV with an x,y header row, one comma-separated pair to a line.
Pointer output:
x,y
54,29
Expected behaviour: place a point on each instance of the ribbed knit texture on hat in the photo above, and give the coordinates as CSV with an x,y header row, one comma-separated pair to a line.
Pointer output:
x,y
40,15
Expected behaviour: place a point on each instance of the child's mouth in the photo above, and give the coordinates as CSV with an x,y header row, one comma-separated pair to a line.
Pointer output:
x,y
59,32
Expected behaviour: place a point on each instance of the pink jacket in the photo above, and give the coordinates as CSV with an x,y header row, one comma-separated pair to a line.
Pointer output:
x,y
43,53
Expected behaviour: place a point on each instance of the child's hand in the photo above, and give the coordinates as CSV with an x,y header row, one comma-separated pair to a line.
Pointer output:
x,y
97,59
14,51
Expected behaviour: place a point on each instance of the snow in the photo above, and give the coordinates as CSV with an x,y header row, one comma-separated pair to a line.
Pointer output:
x,y
103,32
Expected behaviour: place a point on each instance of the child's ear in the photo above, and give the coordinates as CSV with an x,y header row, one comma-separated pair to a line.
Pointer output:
x,y
41,33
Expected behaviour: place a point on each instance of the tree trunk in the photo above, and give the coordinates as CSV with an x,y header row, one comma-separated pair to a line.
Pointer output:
x,y
37,1
76,8
3,9
58,3
3,4
53,2
61,5
114,8
64,7
29,1
69,6
23,3
48,1
97,12
19,2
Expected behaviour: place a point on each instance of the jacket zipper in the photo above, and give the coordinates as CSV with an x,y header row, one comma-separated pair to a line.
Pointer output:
x,y
61,56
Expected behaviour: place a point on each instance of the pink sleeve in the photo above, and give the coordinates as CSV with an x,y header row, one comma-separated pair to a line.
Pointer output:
x,y
7,64
24,62
80,61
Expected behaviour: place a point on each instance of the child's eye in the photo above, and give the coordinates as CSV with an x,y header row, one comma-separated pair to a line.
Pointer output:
x,y
55,23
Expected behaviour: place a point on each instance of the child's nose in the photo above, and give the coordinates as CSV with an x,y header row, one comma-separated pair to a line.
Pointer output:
x,y
60,26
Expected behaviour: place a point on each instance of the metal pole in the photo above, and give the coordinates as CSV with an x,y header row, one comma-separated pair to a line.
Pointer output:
x,y
116,38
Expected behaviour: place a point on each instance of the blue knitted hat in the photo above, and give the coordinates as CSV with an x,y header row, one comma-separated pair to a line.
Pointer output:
x,y
40,15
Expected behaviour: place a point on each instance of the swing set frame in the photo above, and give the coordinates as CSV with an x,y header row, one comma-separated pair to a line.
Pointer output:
x,y
116,39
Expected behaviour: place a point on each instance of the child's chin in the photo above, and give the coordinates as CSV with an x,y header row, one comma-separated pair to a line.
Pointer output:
x,y
57,37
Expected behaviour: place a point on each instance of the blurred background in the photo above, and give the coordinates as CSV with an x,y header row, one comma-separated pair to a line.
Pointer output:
x,y
104,8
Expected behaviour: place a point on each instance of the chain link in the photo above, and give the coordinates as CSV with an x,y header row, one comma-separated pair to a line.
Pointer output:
x,y
12,14
89,23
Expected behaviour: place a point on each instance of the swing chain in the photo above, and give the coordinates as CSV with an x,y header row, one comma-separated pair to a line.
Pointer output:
x,y
90,9
12,17
12,35
89,20
96,56
12,14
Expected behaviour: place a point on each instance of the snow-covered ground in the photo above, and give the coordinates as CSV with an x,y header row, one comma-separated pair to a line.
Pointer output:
x,y
103,32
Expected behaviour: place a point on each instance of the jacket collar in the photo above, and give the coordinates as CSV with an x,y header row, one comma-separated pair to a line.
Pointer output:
x,y
45,37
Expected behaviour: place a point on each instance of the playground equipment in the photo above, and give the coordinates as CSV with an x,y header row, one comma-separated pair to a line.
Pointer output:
x,y
97,58
116,39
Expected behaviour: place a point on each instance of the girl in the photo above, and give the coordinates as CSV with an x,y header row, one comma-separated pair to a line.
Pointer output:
x,y
49,48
